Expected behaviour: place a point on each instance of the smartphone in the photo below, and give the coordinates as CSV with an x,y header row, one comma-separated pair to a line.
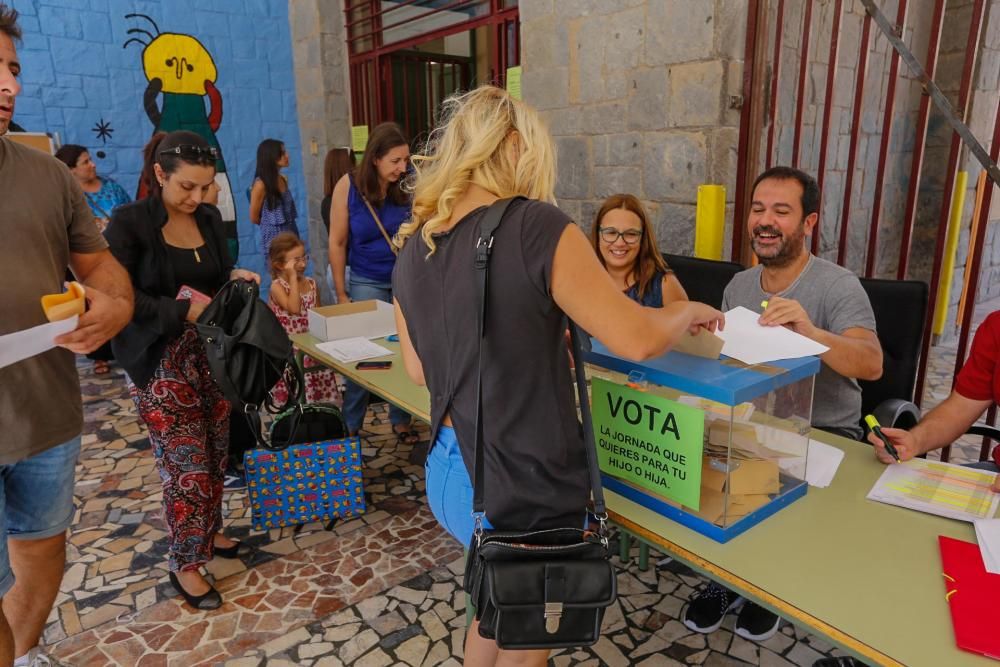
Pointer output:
x,y
373,365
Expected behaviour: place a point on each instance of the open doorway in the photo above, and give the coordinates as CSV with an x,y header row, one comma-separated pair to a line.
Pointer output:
x,y
407,56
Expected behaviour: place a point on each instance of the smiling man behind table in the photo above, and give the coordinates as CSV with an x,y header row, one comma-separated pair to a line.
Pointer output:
x,y
46,227
815,298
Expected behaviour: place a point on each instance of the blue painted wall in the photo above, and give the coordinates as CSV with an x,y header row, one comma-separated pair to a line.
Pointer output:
x,y
76,74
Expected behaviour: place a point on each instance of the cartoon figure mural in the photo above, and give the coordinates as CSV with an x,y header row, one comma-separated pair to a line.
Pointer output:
x,y
181,71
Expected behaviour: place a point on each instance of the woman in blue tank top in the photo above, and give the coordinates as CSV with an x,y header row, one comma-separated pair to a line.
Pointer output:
x,y
626,245
366,210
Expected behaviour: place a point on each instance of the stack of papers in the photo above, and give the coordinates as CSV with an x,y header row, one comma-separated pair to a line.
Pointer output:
x,y
935,487
347,350
988,536
751,343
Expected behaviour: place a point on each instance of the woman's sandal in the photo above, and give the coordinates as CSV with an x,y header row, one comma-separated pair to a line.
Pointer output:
x,y
238,550
206,601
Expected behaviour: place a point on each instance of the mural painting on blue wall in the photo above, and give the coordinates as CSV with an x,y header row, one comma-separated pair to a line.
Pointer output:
x,y
181,74
103,130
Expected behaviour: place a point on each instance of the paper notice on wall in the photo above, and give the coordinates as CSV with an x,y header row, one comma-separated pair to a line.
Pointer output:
x,y
359,138
20,345
747,341
514,82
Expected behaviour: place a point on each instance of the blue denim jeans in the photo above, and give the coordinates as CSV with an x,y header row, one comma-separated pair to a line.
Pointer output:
x,y
360,288
36,499
989,466
449,489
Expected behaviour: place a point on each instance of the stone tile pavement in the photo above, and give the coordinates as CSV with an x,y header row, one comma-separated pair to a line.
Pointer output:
x,y
382,589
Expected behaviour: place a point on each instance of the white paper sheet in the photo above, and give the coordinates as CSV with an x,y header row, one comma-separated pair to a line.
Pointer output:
x,y
988,536
20,345
751,343
347,350
824,460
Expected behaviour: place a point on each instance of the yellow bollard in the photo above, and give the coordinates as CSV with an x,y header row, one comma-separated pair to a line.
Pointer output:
x,y
950,248
710,221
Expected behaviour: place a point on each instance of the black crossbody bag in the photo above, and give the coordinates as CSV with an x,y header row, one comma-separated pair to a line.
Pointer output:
x,y
544,588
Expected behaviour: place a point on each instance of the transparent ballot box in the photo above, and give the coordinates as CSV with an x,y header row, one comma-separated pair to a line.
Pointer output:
x,y
714,444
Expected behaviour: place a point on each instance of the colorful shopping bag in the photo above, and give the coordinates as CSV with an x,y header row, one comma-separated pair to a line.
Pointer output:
x,y
317,481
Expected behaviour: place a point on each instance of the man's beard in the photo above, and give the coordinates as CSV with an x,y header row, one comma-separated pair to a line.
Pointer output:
x,y
788,250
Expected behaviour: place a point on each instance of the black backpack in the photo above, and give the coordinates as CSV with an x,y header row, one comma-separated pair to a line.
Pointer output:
x,y
248,352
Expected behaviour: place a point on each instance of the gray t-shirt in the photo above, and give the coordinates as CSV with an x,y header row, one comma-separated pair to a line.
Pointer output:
x,y
835,301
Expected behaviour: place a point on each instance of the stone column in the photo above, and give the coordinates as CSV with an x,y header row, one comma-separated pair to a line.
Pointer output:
x,y
322,85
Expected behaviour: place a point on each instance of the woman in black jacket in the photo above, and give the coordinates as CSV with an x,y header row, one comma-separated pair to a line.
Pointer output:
x,y
175,251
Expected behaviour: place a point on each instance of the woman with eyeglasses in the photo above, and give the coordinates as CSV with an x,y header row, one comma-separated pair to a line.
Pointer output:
x,y
626,246
174,247
271,204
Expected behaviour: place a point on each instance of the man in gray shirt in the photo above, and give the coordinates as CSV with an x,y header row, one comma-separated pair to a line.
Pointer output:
x,y
809,295
815,298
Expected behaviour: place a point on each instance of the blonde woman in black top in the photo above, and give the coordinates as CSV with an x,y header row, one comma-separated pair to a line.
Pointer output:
x,y
543,269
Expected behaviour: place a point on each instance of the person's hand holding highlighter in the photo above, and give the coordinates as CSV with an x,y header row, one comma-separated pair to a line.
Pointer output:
x,y
892,445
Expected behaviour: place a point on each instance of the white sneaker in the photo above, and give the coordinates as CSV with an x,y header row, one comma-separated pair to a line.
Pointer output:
x,y
33,658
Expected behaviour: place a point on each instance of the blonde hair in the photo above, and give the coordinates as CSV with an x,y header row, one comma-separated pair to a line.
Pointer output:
x,y
486,138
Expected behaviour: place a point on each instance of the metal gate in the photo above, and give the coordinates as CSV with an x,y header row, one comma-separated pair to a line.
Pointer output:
x,y
783,118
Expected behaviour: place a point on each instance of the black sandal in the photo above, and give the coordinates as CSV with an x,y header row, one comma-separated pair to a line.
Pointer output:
x,y
207,601
238,550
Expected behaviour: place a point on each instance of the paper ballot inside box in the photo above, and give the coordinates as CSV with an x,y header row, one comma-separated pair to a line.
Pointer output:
x,y
358,319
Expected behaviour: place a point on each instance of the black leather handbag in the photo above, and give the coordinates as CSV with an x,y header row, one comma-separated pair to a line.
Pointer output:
x,y
543,588
309,422
248,352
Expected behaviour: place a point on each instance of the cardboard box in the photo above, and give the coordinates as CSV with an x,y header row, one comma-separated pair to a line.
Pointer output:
x,y
367,319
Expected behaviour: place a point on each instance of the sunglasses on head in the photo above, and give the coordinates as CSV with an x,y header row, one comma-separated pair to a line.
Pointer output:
x,y
191,152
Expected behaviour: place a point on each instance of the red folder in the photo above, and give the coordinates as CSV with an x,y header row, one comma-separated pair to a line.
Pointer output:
x,y
973,595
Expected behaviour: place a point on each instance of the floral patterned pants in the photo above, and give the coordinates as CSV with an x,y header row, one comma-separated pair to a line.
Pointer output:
x,y
188,421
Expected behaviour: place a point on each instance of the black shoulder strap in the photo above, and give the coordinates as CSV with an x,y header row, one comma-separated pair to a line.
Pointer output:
x,y
484,249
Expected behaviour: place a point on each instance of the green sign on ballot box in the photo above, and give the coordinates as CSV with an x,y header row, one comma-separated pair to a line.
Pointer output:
x,y
649,440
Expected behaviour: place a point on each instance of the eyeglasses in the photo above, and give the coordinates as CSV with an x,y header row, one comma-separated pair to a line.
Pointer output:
x,y
609,235
191,152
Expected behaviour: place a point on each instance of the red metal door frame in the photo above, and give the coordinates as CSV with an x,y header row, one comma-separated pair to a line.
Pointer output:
x,y
375,63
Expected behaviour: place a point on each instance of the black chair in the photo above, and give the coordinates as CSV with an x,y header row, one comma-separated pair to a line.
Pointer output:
x,y
900,310
704,280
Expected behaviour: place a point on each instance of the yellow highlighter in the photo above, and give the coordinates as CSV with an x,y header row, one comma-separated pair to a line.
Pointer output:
x,y
877,430
763,304
66,304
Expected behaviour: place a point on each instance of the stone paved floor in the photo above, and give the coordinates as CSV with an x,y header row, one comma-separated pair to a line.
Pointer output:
x,y
382,589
